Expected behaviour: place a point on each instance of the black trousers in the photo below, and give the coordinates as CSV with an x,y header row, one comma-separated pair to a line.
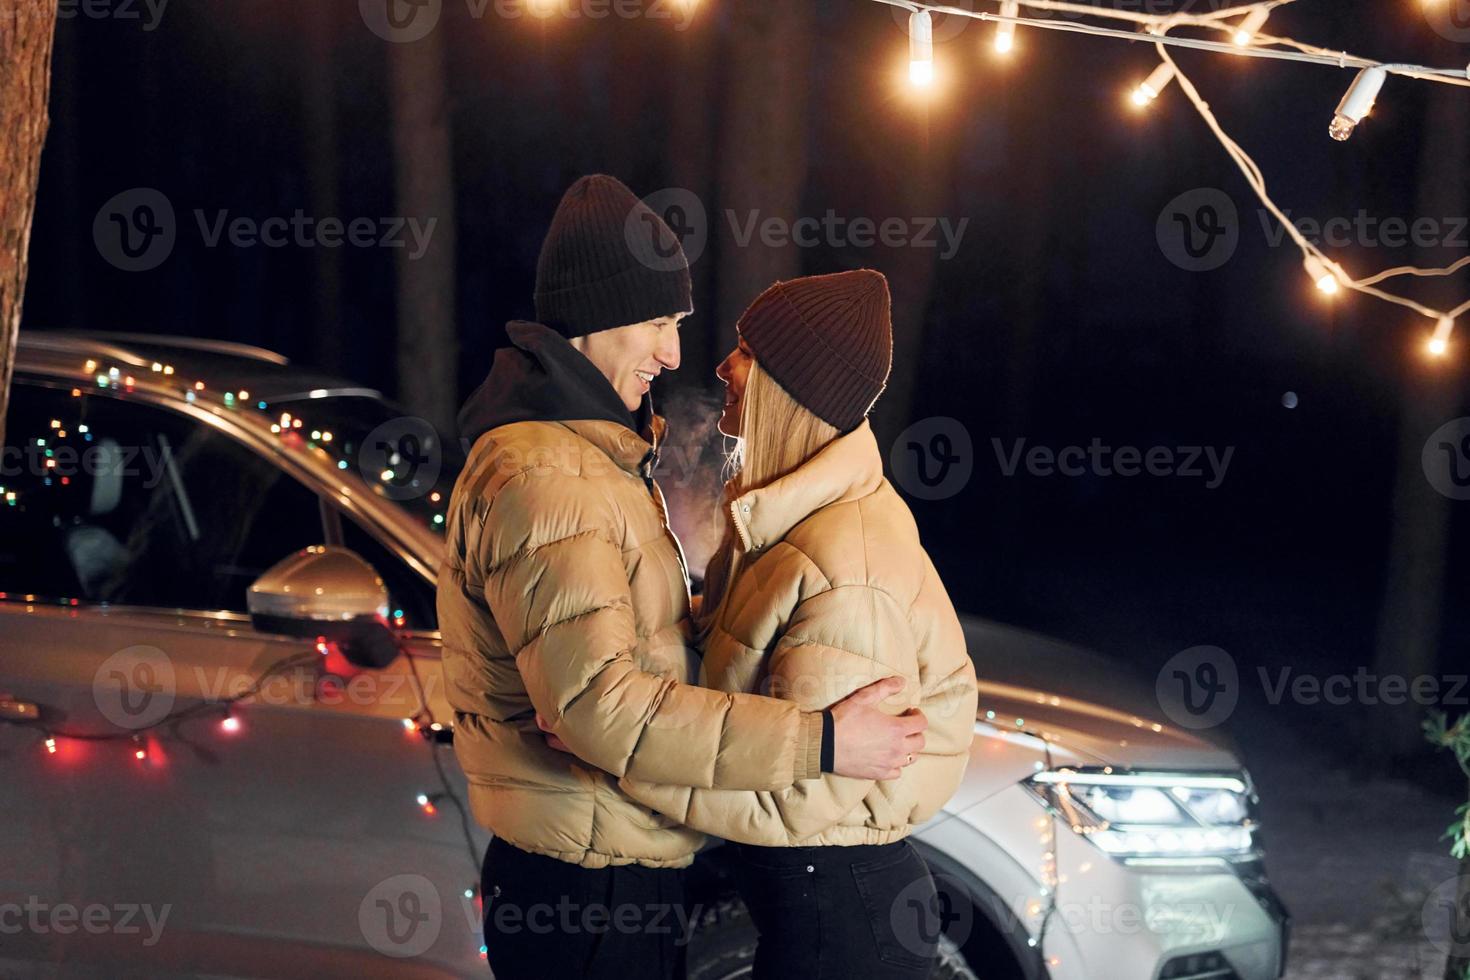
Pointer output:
x,y
840,913
547,920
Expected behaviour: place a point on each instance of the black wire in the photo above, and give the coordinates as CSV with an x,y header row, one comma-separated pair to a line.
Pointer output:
x,y
173,717
448,790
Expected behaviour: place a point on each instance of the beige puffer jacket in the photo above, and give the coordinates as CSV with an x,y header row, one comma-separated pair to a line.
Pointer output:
x,y
564,592
833,591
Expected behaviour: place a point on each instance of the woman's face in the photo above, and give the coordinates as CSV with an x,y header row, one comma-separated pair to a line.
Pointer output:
x,y
733,371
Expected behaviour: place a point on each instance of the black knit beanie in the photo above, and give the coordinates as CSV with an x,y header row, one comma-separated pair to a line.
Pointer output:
x,y
608,260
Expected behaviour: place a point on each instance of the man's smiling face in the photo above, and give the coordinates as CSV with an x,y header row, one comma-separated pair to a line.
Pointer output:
x,y
630,357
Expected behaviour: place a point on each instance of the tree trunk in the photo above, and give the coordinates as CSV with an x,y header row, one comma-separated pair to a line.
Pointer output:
x,y
922,192
763,150
319,110
1409,623
27,31
428,341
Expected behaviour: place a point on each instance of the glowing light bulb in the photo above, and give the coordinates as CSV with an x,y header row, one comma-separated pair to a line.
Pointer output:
x,y
1150,87
51,746
1357,103
230,724
1439,344
1005,31
921,49
1324,277
1246,32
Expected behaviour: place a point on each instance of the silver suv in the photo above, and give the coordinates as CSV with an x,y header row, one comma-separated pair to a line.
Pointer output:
x,y
226,738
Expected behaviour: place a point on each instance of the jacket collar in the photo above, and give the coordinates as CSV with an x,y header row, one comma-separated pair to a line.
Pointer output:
x,y
847,468
634,452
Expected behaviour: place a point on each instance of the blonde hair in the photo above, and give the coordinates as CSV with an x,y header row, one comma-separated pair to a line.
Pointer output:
x,y
777,435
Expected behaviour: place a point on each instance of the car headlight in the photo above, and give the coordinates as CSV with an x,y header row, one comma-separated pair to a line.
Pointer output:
x,y
1154,815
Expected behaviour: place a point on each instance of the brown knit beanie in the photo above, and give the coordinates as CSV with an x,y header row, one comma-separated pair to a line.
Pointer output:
x,y
608,260
827,340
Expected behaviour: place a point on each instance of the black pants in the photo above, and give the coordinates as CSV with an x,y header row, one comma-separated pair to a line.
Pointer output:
x,y
840,913
547,920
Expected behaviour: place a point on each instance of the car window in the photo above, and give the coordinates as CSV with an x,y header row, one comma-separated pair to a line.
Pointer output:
x,y
410,594
112,500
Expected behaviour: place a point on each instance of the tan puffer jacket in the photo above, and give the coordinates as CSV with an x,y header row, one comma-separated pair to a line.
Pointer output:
x,y
563,592
832,592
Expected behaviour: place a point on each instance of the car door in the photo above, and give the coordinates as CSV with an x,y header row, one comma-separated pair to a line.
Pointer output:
x,y
185,795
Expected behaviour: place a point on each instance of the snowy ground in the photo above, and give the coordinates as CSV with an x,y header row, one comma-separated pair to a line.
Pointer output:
x,y
1357,861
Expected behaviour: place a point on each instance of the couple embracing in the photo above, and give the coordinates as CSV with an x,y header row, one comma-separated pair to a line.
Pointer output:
x,y
815,706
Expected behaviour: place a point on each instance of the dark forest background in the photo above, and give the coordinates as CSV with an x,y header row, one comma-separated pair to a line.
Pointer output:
x,y
1058,320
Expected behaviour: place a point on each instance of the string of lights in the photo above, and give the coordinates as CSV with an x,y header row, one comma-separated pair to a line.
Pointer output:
x,y
1242,25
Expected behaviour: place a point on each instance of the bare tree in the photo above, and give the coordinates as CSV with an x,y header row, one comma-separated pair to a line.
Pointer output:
x,y
1411,616
428,339
763,156
319,110
27,32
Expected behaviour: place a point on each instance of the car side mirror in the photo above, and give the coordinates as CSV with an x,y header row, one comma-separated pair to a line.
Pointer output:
x,y
326,591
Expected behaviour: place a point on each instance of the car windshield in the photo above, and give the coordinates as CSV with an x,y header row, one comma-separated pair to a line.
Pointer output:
x,y
401,456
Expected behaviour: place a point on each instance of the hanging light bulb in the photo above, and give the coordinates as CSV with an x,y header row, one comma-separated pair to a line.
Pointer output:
x,y
229,724
1246,32
51,746
1357,103
1324,276
1005,31
1150,87
1439,343
921,49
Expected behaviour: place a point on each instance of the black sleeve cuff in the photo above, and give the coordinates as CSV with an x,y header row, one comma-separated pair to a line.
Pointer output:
x,y
829,746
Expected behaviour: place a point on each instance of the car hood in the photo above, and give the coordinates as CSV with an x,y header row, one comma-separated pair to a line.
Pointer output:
x,y
1038,695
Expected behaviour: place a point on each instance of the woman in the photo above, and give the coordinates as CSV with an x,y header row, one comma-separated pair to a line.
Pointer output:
x,y
821,587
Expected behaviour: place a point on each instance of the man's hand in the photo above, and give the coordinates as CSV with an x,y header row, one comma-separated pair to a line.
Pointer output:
x,y
551,738
871,744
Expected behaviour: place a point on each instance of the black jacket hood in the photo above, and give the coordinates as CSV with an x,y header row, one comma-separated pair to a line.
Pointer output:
x,y
543,378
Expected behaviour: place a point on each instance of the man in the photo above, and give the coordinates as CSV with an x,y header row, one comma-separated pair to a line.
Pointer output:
x,y
564,594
